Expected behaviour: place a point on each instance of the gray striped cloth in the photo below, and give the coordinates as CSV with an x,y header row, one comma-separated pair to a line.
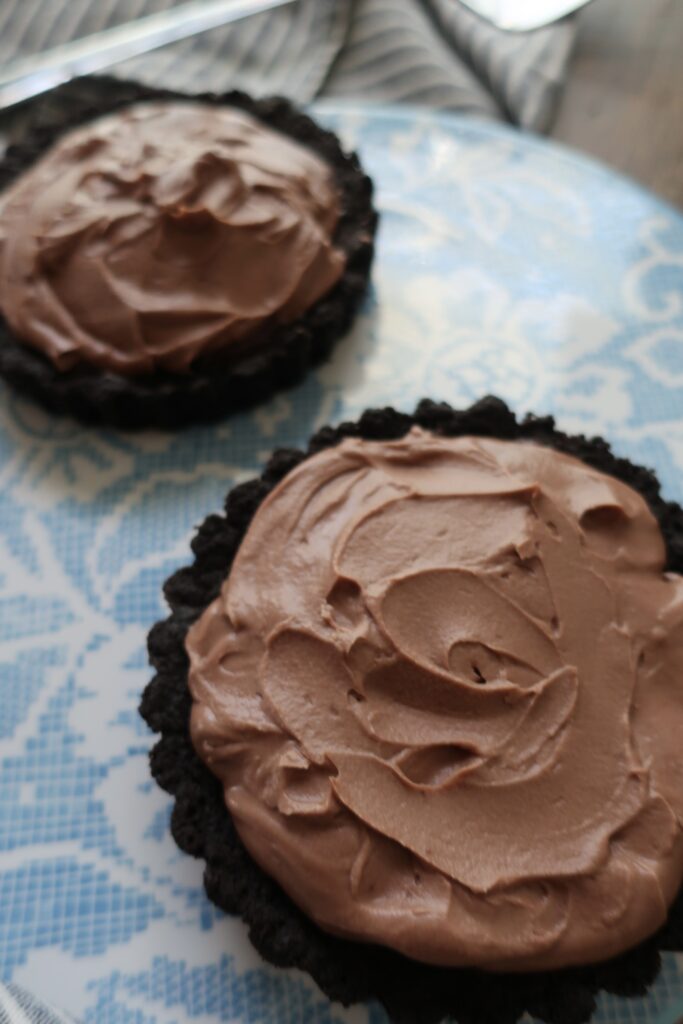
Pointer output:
x,y
18,1007
434,52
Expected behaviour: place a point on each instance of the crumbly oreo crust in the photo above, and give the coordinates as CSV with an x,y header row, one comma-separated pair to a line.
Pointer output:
x,y
165,400
347,971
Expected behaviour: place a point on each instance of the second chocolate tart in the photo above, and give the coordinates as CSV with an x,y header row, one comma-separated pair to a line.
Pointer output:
x,y
166,258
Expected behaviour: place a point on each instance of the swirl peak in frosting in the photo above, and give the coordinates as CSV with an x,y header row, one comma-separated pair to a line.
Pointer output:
x,y
164,233
442,687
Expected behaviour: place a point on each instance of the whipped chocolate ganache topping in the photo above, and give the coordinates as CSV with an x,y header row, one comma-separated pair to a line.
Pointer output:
x,y
442,688
163,233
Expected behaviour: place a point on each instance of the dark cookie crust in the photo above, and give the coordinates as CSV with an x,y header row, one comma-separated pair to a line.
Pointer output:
x,y
165,400
350,972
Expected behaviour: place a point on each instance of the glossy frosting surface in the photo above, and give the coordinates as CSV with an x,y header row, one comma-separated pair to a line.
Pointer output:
x,y
162,233
443,690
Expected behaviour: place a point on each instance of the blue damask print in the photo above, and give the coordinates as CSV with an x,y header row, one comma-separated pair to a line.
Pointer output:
x,y
505,265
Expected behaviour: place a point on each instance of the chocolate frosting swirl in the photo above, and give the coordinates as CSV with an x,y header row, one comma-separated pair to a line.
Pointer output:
x,y
442,690
164,233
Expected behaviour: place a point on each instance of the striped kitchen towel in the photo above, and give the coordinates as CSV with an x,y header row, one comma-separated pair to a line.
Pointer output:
x,y
434,52
18,1007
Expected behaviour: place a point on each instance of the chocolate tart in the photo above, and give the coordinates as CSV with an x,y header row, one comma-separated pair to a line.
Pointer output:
x,y
345,969
219,382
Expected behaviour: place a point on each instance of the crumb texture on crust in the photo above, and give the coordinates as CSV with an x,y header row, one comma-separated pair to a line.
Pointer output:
x,y
348,971
162,399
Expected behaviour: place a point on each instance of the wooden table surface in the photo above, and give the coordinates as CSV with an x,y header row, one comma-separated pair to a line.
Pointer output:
x,y
623,101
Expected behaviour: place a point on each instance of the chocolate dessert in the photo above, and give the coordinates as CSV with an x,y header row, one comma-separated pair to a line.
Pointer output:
x,y
176,258
420,701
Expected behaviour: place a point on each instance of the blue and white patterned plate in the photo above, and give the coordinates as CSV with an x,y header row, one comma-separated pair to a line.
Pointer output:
x,y
505,265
